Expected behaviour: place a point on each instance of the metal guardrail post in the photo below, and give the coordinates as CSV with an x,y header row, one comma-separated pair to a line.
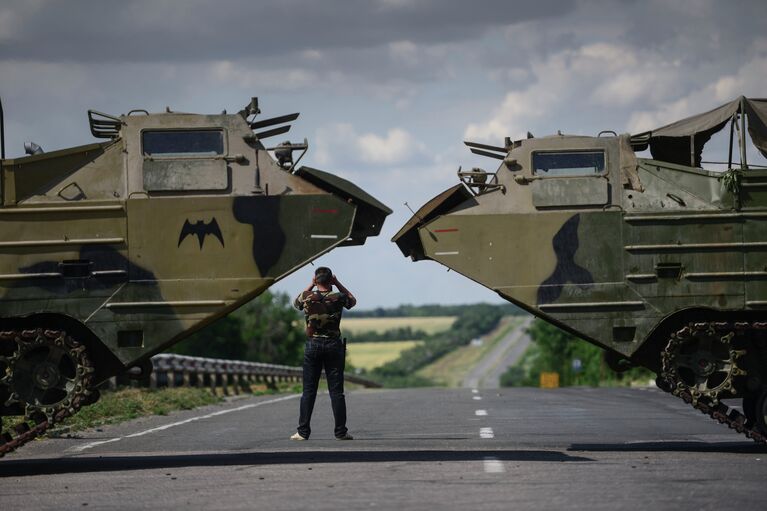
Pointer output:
x,y
174,370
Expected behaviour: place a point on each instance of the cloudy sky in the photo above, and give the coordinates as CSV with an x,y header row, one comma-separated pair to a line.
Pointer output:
x,y
387,89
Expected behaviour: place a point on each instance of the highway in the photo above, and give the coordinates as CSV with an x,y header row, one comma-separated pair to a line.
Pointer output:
x,y
487,373
449,449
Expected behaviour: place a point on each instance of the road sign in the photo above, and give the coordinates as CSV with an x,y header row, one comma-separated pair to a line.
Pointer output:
x,y
549,380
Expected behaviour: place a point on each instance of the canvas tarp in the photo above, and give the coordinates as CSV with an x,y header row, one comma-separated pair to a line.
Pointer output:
x,y
682,141
756,110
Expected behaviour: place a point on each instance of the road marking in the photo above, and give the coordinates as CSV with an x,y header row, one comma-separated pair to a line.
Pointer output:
x,y
493,465
480,413
325,236
474,391
486,433
476,398
81,448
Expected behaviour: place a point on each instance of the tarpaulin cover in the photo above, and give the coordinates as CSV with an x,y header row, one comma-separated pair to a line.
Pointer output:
x,y
678,142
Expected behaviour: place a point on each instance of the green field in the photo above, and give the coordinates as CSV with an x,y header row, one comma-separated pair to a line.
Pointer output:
x,y
429,324
369,355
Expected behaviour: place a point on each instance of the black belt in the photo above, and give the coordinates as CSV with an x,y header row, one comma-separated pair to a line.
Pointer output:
x,y
325,339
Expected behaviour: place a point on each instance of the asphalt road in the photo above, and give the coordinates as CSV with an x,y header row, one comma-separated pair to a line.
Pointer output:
x,y
447,449
487,373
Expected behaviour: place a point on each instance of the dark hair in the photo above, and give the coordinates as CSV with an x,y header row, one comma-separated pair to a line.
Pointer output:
x,y
323,275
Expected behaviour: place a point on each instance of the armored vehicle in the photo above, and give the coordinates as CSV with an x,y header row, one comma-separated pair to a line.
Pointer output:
x,y
656,260
111,252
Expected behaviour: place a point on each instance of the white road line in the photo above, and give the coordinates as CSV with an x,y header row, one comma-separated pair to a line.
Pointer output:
x,y
493,465
486,433
476,398
474,391
480,413
81,448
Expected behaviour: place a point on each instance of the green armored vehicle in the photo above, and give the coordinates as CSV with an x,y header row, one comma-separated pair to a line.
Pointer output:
x,y
111,252
658,261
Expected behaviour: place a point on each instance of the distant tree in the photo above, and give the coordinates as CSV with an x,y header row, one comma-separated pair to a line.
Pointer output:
x,y
220,339
554,350
273,330
472,321
405,333
267,329
429,310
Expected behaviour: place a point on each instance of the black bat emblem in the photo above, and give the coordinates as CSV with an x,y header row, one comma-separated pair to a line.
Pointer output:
x,y
201,230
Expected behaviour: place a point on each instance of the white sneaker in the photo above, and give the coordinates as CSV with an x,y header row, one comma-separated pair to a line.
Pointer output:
x,y
297,436
346,436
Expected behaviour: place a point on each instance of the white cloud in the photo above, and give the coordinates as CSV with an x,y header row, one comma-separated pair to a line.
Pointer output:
x,y
623,89
404,52
340,142
13,16
312,54
227,72
396,146
596,76
748,80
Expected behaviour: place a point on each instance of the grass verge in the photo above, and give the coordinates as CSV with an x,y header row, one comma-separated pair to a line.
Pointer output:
x,y
126,404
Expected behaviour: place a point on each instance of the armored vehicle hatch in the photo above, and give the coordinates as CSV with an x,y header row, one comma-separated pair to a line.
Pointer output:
x,y
111,252
658,261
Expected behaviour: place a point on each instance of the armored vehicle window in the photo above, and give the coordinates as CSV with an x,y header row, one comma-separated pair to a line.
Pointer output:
x,y
183,143
566,164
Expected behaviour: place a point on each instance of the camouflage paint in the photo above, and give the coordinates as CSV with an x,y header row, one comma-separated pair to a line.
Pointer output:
x,y
607,256
85,234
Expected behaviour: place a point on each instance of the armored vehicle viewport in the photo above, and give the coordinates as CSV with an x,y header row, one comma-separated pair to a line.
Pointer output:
x,y
658,261
111,252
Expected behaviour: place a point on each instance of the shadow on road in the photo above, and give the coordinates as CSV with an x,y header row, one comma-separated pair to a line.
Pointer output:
x,y
680,446
47,466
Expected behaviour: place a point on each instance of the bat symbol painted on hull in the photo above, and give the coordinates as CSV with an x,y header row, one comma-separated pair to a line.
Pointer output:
x,y
201,229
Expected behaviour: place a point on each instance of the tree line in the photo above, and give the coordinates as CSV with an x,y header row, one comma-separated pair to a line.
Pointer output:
x,y
407,310
403,333
472,321
267,329
554,350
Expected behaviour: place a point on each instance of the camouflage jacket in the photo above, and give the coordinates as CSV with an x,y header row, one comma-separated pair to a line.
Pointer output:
x,y
323,312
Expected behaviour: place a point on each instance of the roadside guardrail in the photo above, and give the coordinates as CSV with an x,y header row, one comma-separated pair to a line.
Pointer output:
x,y
171,370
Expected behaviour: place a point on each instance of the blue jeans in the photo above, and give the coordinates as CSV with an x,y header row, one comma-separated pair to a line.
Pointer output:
x,y
331,354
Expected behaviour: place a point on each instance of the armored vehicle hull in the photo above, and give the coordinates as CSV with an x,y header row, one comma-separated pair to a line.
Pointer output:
x,y
662,264
112,252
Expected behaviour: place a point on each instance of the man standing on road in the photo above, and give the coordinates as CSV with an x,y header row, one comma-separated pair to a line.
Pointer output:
x,y
324,347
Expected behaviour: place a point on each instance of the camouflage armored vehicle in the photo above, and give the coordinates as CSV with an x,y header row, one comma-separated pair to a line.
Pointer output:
x,y
658,261
111,252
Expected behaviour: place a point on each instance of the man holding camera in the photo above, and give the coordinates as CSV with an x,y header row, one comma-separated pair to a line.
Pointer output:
x,y
323,309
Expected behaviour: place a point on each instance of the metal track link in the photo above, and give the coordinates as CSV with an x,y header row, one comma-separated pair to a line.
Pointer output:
x,y
669,381
39,418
